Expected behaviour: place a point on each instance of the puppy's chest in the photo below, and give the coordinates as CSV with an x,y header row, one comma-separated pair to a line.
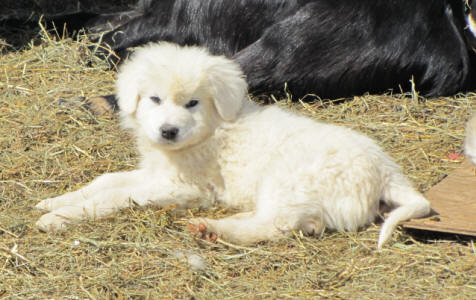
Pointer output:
x,y
239,182
223,177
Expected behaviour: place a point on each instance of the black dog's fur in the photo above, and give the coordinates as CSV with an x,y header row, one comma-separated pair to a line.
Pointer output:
x,y
331,48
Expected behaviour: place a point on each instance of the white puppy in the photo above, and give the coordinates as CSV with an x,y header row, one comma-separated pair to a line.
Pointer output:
x,y
470,140
202,142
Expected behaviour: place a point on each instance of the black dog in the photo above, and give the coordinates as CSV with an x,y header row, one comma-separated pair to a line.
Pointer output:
x,y
330,48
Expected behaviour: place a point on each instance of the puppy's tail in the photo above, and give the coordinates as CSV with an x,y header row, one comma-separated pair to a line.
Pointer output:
x,y
408,204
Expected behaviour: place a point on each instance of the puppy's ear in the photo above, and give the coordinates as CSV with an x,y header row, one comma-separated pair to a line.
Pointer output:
x,y
229,87
127,87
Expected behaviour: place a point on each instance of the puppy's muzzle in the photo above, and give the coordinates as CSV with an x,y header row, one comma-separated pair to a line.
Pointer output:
x,y
169,132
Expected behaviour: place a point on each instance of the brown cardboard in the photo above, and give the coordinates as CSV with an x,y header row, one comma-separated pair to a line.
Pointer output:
x,y
454,202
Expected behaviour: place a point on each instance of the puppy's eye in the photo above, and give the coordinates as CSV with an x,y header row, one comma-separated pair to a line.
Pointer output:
x,y
155,99
191,103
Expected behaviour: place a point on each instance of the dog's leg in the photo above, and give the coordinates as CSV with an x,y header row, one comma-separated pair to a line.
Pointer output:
x,y
101,204
101,105
274,217
111,200
247,228
243,228
102,183
107,22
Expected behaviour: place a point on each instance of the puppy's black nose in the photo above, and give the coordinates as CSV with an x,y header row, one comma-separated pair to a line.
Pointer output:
x,y
169,132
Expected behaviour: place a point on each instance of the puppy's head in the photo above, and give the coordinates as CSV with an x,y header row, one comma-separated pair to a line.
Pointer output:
x,y
177,96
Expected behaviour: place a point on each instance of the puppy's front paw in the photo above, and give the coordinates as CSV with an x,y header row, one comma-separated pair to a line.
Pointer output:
x,y
51,204
52,222
45,204
201,228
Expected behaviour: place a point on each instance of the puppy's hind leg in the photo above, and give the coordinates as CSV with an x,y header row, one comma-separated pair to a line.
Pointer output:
x,y
251,227
280,210
242,228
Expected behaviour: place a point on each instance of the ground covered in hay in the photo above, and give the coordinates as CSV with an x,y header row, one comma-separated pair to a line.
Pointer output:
x,y
50,144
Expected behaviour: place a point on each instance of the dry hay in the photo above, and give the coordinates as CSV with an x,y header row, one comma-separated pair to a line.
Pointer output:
x,y
50,144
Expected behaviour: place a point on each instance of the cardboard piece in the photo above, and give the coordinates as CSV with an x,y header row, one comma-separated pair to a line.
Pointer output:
x,y
453,201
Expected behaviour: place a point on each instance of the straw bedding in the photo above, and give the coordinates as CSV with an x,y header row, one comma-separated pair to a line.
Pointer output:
x,y
50,144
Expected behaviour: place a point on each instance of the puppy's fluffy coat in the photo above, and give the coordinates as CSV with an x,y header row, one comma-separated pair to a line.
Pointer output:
x,y
470,140
201,141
